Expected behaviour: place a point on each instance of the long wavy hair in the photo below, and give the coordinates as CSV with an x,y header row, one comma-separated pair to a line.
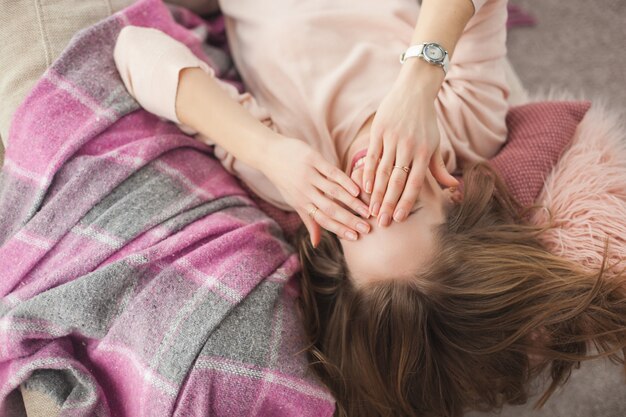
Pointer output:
x,y
493,310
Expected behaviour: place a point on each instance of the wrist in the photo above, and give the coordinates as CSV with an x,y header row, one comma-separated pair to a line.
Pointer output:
x,y
268,148
421,76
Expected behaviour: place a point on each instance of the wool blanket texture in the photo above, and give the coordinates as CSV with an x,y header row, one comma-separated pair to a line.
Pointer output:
x,y
138,278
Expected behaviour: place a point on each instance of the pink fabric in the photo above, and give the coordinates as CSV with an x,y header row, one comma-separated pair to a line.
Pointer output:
x,y
326,70
585,195
138,279
478,4
518,17
289,221
538,135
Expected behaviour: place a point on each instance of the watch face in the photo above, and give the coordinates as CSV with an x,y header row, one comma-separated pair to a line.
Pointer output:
x,y
434,52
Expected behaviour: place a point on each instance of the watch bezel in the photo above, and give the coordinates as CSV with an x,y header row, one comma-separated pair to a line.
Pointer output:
x,y
431,60
418,52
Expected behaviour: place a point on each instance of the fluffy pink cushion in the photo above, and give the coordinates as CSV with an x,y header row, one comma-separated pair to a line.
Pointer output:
x,y
584,197
538,135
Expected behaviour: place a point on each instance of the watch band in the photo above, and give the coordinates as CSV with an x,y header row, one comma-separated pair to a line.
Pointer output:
x,y
417,51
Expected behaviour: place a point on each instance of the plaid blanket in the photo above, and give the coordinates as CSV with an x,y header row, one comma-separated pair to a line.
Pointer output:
x,y
137,276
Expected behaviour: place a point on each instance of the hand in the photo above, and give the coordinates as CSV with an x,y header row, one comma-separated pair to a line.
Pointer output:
x,y
404,134
320,192
357,177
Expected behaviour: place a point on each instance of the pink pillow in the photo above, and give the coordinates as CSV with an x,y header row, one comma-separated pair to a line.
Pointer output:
x,y
538,135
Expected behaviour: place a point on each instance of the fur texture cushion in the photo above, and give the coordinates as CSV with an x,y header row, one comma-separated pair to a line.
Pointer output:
x,y
584,197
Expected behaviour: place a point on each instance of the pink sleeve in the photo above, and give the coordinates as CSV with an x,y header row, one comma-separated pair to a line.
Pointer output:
x,y
149,62
472,103
478,4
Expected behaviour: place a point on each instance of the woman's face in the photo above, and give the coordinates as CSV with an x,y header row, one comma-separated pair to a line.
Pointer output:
x,y
400,249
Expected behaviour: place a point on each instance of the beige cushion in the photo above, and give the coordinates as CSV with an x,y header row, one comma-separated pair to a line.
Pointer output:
x,y
33,34
38,404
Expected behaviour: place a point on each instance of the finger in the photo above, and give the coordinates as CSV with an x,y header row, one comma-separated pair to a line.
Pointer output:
x,y
311,225
440,172
374,150
331,216
335,174
357,175
382,179
335,227
411,191
336,192
392,194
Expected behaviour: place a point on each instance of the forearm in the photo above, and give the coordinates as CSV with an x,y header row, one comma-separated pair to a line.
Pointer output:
x,y
442,22
187,92
204,106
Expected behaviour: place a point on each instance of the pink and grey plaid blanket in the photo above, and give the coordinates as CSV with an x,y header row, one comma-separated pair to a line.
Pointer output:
x,y
137,277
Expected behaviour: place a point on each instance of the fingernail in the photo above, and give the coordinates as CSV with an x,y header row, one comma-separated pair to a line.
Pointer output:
x,y
351,235
384,220
375,208
399,215
363,227
368,187
365,212
356,191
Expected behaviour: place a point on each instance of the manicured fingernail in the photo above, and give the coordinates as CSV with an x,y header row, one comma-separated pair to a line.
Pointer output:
x,y
375,208
363,211
363,227
355,191
384,220
368,187
351,235
399,215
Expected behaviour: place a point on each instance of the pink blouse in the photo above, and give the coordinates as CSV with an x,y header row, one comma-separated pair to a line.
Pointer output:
x,y
317,70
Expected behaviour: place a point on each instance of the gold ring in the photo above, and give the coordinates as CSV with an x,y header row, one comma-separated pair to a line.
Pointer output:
x,y
312,212
405,169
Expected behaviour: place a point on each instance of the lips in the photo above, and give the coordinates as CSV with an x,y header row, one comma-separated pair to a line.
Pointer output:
x,y
360,154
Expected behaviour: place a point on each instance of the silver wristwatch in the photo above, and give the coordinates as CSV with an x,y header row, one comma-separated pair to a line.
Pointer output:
x,y
430,52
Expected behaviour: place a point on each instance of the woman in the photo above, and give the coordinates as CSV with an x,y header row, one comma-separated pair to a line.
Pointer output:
x,y
333,68
441,309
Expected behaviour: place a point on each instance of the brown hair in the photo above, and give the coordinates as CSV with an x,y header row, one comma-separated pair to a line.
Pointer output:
x,y
458,336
